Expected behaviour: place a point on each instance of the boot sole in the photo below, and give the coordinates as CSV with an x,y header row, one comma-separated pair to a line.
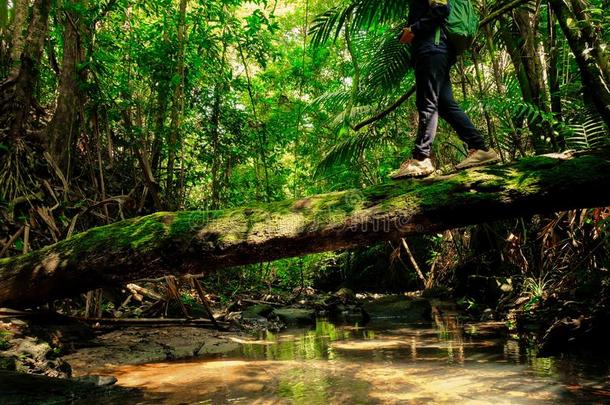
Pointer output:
x,y
473,165
412,176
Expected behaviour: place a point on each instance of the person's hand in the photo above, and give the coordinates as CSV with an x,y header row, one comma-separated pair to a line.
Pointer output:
x,y
407,36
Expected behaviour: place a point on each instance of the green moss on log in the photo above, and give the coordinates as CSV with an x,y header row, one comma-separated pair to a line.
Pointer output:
x,y
186,242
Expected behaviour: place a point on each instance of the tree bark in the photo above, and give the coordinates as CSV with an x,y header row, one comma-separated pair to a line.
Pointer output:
x,y
141,155
149,178
17,93
62,131
554,85
159,135
589,49
200,242
18,25
525,49
216,153
4,36
500,88
177,103
3,16
533,56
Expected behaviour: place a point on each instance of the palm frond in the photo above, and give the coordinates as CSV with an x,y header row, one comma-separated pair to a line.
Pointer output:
x,y
328,25
362,15
370,13
349,150
331,101
388,64
355,113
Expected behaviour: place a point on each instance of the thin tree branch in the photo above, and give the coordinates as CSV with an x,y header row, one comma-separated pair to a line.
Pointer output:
x,y
387,111
494,15
413,261
11,241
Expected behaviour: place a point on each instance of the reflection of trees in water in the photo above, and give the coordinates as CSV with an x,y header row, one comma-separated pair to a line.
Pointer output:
x,y
304,344
443,341
450,330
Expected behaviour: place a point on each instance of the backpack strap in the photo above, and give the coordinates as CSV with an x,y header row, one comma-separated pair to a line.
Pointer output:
x,y
435,3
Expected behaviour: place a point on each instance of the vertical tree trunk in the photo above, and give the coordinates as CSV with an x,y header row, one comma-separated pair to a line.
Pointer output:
x,y
18,26
554,87
177,103
500,88
63,129
490,125
512,47
216,162
594,35
140,153
163,90
219,90
4,36
160,115
534,64
17,93
355,76
589,49
463,79
525,49
533,59
3,17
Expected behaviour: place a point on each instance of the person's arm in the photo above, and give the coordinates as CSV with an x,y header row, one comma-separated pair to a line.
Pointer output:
x,y
435,17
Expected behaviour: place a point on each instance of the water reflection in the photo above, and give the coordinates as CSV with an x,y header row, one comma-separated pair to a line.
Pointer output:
x,y
442,362
444,341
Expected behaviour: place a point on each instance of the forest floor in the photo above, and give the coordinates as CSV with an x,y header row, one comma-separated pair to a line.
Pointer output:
x,y
137,345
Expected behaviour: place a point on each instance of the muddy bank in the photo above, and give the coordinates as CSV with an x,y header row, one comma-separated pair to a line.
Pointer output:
x,y
54,360
145,345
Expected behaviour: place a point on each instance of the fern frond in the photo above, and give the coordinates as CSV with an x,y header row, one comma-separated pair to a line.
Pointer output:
x,y
590,133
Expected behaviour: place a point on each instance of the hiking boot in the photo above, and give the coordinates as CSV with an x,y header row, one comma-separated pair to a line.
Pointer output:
x,y
414,168
477,157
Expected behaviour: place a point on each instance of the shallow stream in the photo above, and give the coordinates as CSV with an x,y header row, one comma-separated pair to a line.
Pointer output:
x,y
385,362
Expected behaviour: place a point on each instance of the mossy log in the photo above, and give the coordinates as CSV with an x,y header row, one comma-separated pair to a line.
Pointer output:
x,y
201,242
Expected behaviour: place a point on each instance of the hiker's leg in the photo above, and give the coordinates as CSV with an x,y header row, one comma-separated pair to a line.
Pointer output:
x,y
451,112
430,72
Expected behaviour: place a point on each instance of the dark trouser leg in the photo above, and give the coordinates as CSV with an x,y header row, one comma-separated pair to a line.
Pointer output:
x,y
451,112
430,74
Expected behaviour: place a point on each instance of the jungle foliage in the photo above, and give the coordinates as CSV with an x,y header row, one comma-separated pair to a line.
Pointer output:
x,y
113,109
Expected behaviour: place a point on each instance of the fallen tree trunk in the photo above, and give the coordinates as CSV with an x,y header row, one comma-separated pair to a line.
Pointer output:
x,y
201,242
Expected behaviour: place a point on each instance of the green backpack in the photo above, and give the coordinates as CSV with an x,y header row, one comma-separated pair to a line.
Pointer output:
x,y
462,25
